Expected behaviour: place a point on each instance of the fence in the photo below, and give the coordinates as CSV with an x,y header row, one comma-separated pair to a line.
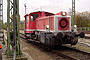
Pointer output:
x,y
84,28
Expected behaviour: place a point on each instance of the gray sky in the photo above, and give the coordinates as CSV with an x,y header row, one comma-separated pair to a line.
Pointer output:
x,y
53,6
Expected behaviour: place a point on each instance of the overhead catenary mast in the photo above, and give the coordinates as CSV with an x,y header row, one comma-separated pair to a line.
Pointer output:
x,y
73,13
1,21
13,41
1,15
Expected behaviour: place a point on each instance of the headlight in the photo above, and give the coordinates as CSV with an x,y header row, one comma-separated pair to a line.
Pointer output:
x,y
47,26
75,26
64,13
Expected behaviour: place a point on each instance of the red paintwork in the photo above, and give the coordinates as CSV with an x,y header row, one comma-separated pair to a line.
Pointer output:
x,y
63,23
43,20
32,24
61,13
26,24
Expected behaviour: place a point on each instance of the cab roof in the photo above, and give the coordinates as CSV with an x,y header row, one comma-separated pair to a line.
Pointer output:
x,y
41,12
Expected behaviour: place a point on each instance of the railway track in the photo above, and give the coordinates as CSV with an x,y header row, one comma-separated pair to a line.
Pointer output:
x,y
66,53
73,54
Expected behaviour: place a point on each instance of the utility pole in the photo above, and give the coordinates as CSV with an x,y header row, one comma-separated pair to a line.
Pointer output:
x,y
25,14
73,13
25,7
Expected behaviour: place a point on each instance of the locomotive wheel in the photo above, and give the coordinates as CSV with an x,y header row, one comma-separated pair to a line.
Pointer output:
x,y
74,41
0,57
60,35
53,42
47,46
82,34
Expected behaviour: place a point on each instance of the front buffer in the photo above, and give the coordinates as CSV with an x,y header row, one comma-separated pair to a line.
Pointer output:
x,y
69,38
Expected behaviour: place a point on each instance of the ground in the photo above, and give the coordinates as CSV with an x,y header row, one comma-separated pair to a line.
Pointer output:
x,y
32,52
38,54
84,44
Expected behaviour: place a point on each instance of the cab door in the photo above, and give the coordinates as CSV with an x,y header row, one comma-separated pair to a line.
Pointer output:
x,y
27,25
33,21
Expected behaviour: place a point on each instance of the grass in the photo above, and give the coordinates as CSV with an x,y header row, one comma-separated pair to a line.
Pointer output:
x,y
83,48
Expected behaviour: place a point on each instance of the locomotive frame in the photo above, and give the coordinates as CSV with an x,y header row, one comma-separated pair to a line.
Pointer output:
x,y
46,29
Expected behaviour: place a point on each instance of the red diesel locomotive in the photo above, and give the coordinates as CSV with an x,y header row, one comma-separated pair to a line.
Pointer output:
x,y
51,29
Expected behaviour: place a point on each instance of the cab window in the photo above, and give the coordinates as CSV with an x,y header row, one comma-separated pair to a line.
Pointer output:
x,y
34,16
27,19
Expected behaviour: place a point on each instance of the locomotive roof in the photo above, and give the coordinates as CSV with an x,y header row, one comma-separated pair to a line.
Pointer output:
x,y
41,12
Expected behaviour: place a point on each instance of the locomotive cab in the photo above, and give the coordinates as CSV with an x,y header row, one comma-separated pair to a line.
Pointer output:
x,y
30,22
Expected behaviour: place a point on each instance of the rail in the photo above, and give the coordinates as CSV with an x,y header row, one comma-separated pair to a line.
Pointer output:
x,y
68,53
